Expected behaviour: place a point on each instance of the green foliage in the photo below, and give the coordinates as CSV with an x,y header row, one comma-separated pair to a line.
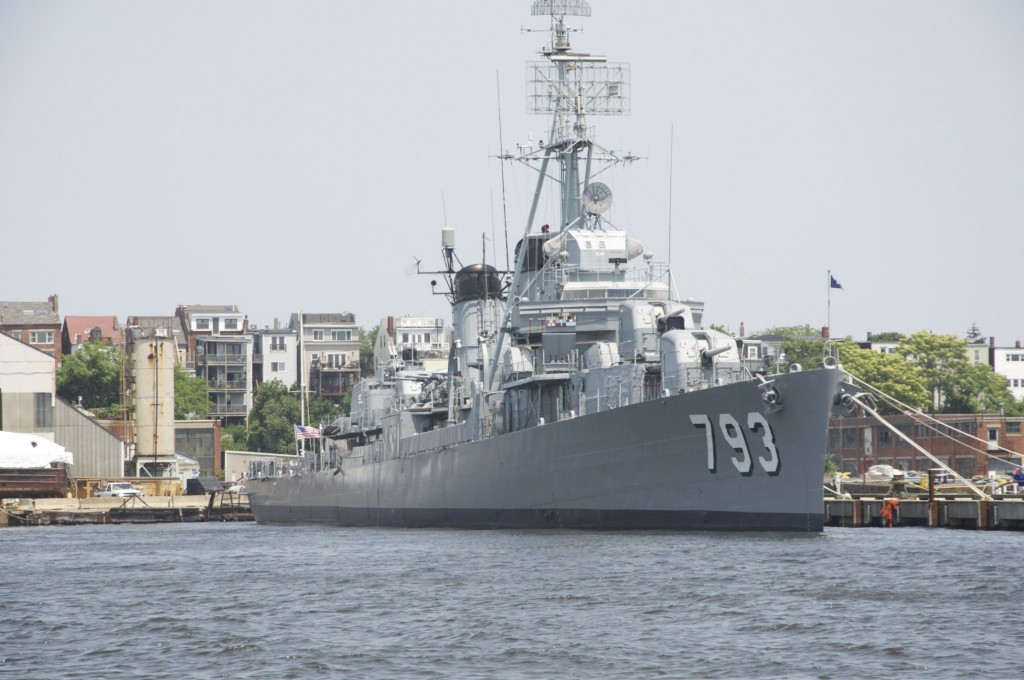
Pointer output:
x,y
94,374
831,464
931,372
807,353
889,373
191,395
322,411
886,336
367,339
976,388
790,331
720,328
940,359
275,412
234,438
974,334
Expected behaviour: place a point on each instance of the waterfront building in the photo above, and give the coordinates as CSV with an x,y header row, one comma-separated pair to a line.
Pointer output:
x,y
34,323
225,362
1009,363
328,352
971,444
202,320
275,355
78,330
423,339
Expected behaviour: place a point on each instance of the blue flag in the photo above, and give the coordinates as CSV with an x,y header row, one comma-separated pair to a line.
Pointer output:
x,y
835,284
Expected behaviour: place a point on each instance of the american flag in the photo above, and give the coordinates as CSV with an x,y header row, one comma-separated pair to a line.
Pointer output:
x,y
306,432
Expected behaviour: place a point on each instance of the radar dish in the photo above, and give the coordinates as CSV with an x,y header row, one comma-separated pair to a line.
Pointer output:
x,y
597,198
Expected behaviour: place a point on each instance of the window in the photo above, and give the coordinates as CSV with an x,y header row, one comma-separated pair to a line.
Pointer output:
x,y
1013,427
41,337
318,334
849,438
341,336
44,411
405,338
276,343
336,360
920,430
276,366
884,435
202,324
230,324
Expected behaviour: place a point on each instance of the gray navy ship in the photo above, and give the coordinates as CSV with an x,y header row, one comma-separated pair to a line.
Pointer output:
x,y
580,391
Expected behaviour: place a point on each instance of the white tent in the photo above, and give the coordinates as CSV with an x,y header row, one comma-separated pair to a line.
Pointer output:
x,y
18,450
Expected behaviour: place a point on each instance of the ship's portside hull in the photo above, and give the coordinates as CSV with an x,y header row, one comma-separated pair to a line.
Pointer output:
x,y
715,459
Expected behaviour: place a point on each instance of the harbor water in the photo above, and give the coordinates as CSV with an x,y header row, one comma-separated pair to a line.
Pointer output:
x,y
229,600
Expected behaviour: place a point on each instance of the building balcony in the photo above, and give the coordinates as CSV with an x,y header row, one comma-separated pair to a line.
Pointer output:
x,y
208,359
228,410
221,385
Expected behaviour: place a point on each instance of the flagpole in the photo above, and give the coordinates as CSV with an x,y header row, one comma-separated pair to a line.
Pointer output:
x,y
828,317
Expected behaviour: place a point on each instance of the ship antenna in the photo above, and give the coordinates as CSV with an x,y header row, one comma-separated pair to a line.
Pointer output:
x,y
501,150
671,154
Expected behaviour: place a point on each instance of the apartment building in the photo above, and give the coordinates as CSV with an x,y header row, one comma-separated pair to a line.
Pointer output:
x,y
328,352
275,356
35,323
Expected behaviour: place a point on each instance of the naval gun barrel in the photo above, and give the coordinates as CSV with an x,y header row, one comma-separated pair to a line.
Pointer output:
x,y
706,355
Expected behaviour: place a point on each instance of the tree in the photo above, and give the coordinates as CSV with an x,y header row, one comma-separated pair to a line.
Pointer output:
x,y
940,358
889,373
93,373
367,339
234,438
191,395
275,412
807,353
803,331
974,334
976,388
322,411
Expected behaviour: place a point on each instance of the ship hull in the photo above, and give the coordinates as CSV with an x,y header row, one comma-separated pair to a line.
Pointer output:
x,y
715,459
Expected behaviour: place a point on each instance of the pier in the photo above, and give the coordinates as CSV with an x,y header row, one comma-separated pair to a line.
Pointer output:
x,y
134,510
957,512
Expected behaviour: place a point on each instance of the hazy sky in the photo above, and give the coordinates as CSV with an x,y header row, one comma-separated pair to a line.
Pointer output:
x,y
285,155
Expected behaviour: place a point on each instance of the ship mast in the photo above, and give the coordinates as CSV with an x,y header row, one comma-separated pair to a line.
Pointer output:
x,y
567,86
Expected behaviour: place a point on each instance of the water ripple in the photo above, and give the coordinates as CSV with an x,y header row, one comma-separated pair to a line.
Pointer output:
x,y
242,601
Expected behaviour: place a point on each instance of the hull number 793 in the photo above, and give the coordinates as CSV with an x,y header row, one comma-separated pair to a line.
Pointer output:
x,y
736,437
